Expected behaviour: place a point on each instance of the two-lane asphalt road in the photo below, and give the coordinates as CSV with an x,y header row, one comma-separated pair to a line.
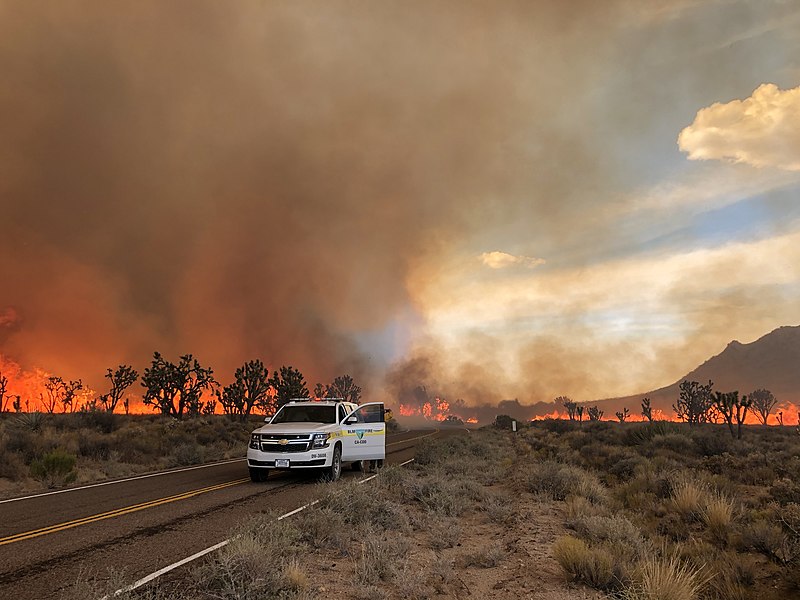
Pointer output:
x,y
143,523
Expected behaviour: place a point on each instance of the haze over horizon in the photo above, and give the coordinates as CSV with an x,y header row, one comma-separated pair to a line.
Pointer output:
x,y
495,200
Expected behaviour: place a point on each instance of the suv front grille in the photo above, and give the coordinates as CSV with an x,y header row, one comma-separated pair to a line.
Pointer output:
x,y
303,446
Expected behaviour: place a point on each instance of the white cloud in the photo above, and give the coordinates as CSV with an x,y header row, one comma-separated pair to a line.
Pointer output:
x,y
503,260
762,130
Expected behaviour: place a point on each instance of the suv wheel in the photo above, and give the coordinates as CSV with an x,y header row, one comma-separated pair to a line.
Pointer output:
x,y
258,475
333,472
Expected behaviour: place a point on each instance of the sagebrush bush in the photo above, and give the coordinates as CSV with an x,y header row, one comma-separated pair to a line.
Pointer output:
x,y
558,481
55,469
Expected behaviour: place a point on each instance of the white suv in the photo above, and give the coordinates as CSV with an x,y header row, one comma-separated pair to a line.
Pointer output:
x,y
318,434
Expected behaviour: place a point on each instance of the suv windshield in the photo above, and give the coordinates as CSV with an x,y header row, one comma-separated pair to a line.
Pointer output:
x,y
305,414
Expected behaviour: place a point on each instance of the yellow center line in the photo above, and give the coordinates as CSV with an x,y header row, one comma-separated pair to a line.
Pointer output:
x,y
18,537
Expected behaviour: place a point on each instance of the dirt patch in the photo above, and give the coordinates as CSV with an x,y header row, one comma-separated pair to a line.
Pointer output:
x,y
472,556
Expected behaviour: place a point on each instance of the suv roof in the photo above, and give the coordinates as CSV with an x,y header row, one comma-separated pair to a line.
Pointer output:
x,y
323,401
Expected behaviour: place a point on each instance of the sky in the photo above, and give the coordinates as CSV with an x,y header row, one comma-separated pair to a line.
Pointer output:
x,y
495,200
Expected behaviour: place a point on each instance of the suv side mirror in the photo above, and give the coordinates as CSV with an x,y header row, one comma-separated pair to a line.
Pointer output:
x,y
351,420
268,419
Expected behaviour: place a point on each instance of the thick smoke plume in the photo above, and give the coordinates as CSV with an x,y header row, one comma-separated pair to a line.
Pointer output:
x,y
285,181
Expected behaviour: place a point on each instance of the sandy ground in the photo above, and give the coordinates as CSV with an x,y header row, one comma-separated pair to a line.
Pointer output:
x,y
526,569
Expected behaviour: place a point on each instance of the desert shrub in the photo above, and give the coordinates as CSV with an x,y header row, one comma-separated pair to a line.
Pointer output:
x,y
643,433
186,454
33,421
625,468
556,425
688,497
711,442
485,557
614,530
253,565
378,557
674,442
323,527
717,514
445,534
785,491
767,538
100,420
439,495
56,468
93,445
11,466
592,566
665,579
557,481
28,444
362,506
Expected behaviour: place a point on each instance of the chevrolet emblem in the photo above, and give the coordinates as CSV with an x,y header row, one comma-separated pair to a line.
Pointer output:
x,y
283,442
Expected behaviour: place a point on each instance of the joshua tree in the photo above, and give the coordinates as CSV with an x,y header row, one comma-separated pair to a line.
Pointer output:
x,y
695,403
580,410
595,414
54,387
647,410
288,383
780,418
71,388
623,415
571,406
121,379
763,403
250,389
176,389
344,387
3,397
731,407
17,404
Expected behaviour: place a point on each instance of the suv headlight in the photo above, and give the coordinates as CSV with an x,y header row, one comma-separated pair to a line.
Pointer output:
x,y
254,441
321,440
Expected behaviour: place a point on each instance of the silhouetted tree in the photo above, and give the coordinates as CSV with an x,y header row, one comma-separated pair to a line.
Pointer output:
x,y
320,390
3,397
121,379
344,387
567,403
17,404
288,383
71,388
579,410
595,414
647,410
762,404
623,415
249,390
54,388
695,403
176,389
731,407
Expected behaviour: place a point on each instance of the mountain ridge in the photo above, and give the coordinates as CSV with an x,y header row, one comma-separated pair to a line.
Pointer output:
x,y
771,362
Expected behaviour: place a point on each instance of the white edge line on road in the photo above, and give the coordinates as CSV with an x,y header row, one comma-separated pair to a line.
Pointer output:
x,y
157,474
145,580
93,485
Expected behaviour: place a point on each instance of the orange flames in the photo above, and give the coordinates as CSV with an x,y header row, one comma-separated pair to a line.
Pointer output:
x,y
436,410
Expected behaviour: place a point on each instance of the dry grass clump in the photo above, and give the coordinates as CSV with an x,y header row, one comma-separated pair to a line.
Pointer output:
x,y
558,481
662,578
379,557
592,566
485,557
688,497
615,531
717,514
